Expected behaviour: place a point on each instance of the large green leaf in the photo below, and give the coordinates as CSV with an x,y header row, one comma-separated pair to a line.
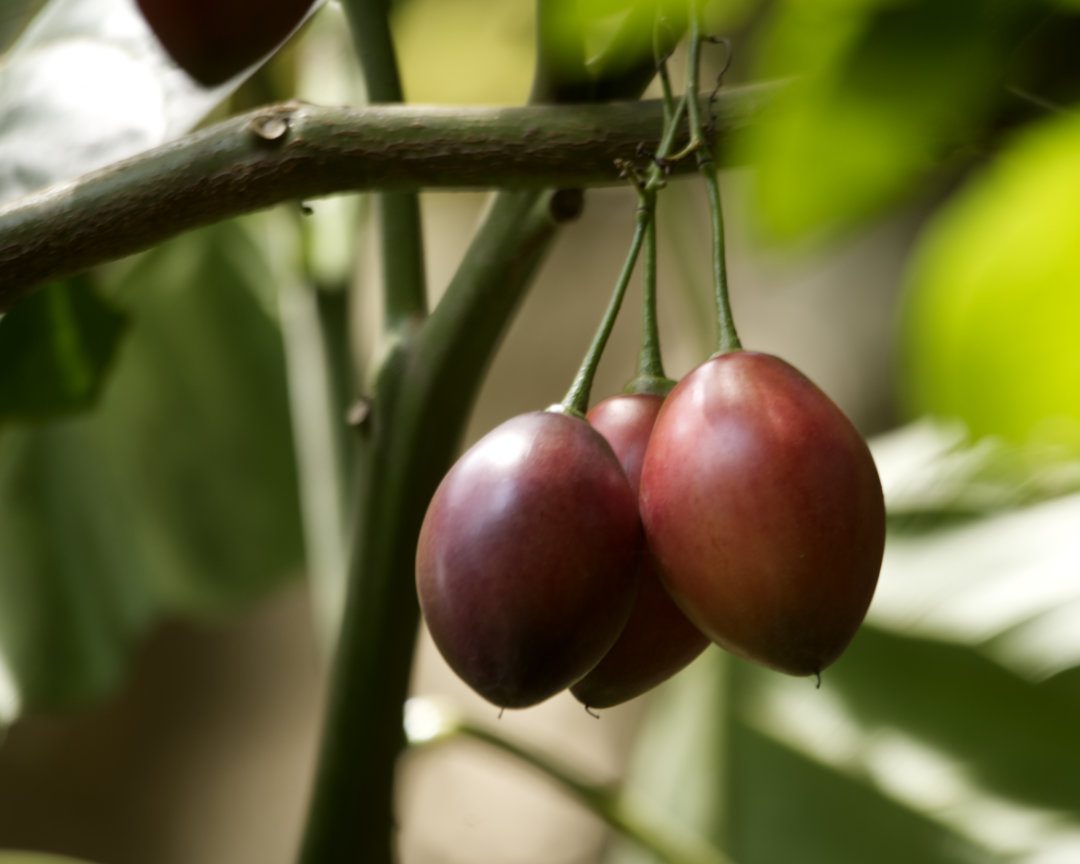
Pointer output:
x,y
882,91
946,733
993,312
56,349
177,495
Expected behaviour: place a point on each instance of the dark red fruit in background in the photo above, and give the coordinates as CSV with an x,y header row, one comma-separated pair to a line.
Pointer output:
x,y
527,562
764,512
658,640
212,40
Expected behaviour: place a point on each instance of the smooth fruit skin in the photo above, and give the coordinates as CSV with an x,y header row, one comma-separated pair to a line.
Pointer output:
x,y
212,40
658,640
526,566
764,512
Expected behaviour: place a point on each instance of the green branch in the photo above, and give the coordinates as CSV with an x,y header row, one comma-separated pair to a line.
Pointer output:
x,y
298,152
351,816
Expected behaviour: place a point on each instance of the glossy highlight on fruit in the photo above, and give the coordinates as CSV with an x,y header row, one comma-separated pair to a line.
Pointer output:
x,y
658,640
526,566
212,40
764,512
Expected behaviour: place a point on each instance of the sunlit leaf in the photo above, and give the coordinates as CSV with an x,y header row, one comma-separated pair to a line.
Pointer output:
x,y
935,477
56,349
830,810
944,734
993,314
87,84
881,93
941,753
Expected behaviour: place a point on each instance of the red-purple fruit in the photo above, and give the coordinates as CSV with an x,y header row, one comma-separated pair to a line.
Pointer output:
x,y
658,640
763,510
527,562
212,40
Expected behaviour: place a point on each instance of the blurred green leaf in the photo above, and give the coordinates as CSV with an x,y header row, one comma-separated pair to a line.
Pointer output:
x,y
882,92
438,42
593,23
993,312
620,33
14,16
56,349
207,405
178,495
36,858
1043,74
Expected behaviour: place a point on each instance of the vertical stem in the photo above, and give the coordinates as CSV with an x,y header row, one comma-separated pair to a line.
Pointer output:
x,y
316,417
404,297
351,815
727,336
651,375
665,83
650,362
404,294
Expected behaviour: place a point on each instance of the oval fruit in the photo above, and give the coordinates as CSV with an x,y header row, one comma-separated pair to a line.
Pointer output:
x,y
764,512
212,40
526,566
658,640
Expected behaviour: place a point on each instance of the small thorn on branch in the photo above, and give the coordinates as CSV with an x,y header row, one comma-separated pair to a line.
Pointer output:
x,y
358,412
271,127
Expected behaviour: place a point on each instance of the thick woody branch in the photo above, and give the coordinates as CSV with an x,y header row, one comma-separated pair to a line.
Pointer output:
x,y
296,151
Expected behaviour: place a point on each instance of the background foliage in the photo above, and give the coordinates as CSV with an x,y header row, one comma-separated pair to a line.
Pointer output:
x,y
146,451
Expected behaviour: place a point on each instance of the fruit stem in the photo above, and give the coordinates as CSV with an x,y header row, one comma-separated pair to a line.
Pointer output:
x,y
576,401
727,336
650,377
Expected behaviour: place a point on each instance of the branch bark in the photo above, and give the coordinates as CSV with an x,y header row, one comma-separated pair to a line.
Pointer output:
x,y
296,151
